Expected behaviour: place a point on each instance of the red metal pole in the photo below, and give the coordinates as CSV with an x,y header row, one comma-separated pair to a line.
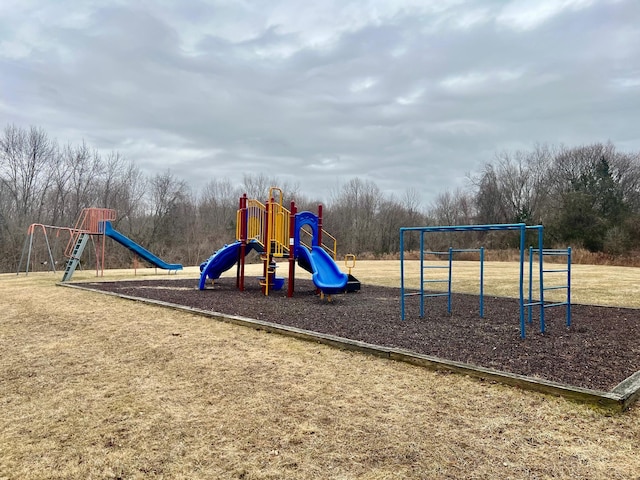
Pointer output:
x,y
243,241
104,247
320,225
292,259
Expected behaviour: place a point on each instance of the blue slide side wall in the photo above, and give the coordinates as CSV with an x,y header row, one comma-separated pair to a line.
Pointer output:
x,y
222,260
325,273
138,249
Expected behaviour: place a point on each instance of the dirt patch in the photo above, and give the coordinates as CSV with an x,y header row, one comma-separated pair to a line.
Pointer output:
x,y
599,350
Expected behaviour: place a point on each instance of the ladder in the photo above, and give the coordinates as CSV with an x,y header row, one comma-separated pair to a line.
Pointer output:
x,y
74,259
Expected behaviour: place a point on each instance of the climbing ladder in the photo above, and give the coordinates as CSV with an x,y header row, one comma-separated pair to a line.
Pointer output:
x,y
424,267
564,252
74,258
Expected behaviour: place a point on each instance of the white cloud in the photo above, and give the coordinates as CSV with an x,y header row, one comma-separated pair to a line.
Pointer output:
x,y
629,82
14,50
412,97
464,127
529,14
362,84
477,80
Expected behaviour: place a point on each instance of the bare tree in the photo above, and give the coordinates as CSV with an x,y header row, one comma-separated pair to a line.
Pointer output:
x,y
353,215
82,171
168,198
258,185
25,170
25,178
217,207
514,188
122,187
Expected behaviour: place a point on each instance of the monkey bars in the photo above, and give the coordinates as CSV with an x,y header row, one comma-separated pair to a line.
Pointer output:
x,y
521,227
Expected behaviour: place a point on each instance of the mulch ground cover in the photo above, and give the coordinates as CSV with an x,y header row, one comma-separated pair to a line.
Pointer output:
x,y
599,350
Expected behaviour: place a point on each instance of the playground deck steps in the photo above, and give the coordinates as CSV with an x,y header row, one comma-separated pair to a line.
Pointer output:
x,y
74,259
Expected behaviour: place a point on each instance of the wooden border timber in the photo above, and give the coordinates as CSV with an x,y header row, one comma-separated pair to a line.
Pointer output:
x,y
619,399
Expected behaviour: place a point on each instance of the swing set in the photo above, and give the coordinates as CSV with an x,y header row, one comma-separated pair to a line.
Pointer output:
x,y
88,224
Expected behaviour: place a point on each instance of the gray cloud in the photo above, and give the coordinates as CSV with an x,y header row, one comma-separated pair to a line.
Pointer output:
x,y
411,94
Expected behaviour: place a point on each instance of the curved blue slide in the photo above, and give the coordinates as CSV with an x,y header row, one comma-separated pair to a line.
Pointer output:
x,y
222,260
325,273
139,250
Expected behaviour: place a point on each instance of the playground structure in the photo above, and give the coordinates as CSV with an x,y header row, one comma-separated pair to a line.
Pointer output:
x,y
279,233
93,225
526,304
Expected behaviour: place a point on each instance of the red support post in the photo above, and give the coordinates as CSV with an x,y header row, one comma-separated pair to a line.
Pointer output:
x,y
267,247
319,237
102,254
320,225
292,259
243,242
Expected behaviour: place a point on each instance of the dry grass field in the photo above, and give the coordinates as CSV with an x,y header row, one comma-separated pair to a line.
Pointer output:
x,y
93,386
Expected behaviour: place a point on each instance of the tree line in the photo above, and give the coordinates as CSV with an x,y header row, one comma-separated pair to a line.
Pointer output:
x,y
586,196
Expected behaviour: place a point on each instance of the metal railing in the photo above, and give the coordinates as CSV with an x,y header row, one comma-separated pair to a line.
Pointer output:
x,y
277,218
91,221
330,246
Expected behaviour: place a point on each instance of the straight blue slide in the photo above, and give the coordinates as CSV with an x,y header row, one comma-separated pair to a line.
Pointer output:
x,y
139,250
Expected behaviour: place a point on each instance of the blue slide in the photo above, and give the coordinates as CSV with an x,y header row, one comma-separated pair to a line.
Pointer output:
x,y
325,273
222,260
139,250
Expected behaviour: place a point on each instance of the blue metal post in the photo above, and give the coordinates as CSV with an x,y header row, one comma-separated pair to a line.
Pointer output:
x,y
402,273
458,228
449,282
522,326
529,308
481,282
568,286
540,258
422,274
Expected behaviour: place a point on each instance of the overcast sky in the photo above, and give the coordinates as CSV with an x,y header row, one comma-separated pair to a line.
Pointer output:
x,y
405,93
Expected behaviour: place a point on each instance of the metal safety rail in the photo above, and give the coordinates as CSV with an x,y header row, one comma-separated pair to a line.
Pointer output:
x,y
91,221
279,228
256,214
279,220
329,242
266,224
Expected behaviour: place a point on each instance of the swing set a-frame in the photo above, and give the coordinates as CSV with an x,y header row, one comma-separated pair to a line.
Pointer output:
x,y
88,227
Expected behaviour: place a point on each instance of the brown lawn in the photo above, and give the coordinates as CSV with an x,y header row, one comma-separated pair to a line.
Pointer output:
x,y
97,387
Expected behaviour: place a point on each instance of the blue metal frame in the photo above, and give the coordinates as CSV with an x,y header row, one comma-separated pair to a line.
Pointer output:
x,y
449,280
481,252
550,252
424,280
461,228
